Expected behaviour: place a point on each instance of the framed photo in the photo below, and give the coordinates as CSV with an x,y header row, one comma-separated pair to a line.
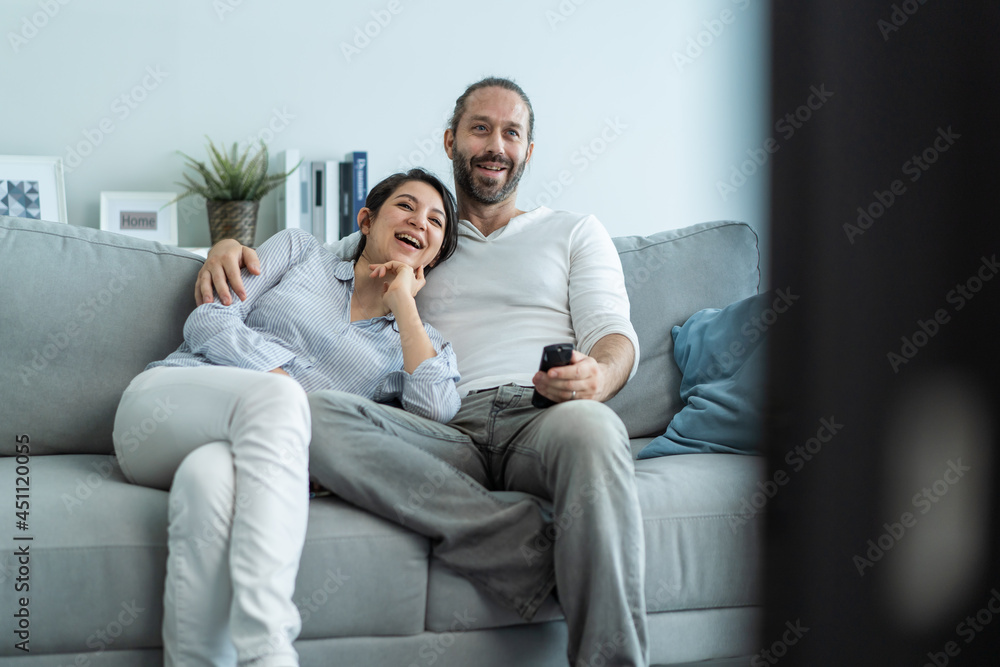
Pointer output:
x,y
32,187
140,214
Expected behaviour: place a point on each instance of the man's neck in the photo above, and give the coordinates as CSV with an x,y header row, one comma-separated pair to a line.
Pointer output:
x,y
488,218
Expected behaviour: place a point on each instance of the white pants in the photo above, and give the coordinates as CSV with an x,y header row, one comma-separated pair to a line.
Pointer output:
x,y
232,447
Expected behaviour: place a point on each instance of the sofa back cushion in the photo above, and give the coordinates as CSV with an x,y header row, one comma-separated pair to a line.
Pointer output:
x,y
669,277
83,312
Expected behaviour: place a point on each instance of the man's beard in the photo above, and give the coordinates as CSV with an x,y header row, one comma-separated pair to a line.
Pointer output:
x,y
484,194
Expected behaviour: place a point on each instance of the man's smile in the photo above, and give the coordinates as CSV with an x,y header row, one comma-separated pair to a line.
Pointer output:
x,y
491,169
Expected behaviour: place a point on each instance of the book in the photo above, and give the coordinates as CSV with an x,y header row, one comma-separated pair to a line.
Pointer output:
x,y
325,200
346,202
290,193
317,222
359,183
311,199
305,197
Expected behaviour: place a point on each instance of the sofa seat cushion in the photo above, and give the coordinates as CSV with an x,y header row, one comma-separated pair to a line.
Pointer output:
x,y
98,562
360,575
702,551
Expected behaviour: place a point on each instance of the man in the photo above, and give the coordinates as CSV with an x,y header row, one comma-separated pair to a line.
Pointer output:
x,y
517,282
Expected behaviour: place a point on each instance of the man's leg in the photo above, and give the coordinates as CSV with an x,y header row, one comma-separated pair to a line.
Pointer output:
x,y
432,479
576,454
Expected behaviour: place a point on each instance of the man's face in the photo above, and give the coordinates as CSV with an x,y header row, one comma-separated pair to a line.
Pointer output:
x,y
489,149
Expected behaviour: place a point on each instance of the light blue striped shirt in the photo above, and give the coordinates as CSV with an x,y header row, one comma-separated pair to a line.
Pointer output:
x,y
297,316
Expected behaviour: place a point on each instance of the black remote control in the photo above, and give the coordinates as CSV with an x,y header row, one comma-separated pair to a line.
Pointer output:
x,y
559,354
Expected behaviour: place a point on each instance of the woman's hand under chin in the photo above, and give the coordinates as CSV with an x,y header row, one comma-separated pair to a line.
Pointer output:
x,y
403,284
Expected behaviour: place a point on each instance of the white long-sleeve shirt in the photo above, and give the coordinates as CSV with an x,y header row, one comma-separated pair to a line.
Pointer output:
x,y
546,277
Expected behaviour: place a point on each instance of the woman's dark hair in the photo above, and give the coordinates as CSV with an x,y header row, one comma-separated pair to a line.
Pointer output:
x,y
381,192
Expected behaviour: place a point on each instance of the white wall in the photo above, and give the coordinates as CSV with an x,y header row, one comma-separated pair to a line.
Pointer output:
x,y
229,69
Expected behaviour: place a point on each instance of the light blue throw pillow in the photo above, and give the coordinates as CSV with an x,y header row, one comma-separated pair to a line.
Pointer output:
x,y
722,357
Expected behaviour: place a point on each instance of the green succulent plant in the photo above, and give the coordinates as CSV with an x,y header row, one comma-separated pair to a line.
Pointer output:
x,y
232,177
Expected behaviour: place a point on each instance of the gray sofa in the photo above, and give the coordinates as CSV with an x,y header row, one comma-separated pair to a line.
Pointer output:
x,y
83,311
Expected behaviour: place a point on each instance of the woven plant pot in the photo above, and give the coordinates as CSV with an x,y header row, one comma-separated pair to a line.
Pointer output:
x,y
232,220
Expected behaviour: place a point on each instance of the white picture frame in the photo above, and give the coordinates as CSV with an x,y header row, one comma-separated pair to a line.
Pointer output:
x,y
143,215
33,187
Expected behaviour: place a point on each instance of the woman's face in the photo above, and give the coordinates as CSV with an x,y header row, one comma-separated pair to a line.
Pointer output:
x,y
409,226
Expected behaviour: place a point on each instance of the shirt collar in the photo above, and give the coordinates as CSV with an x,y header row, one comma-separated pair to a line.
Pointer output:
x,y
469,230
344,270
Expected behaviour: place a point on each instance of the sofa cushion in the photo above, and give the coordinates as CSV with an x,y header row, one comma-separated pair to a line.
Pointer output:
x,y
84,312
702,551
108,282
98,562
723,361
360,575
669,276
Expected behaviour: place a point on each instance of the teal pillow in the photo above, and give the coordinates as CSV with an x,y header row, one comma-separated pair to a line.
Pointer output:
x,y
722,356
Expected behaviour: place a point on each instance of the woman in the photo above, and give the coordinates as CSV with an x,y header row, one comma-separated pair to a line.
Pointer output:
x,y
224,424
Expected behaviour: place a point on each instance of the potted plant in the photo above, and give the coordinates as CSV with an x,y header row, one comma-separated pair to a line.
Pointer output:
x,y
232,188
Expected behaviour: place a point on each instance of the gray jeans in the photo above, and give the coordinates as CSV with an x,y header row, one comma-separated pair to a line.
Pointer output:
x,y
436,479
